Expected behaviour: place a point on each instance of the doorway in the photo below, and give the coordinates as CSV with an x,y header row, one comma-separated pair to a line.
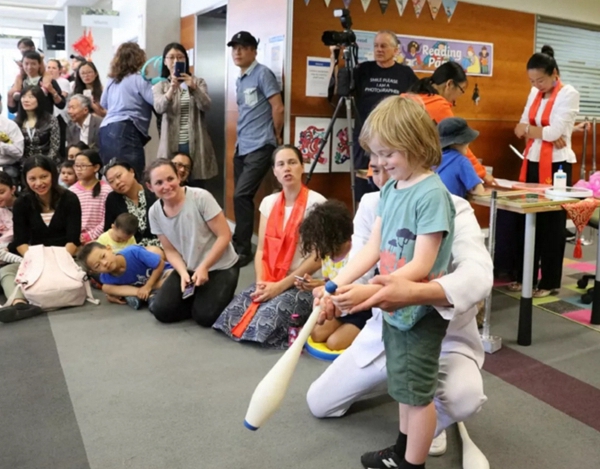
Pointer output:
x,y
210,64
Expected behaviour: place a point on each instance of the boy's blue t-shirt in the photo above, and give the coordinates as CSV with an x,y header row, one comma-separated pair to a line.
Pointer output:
x,y
139,266
457,172
421,209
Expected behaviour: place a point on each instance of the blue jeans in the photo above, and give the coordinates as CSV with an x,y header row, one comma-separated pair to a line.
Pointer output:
x,y
122,140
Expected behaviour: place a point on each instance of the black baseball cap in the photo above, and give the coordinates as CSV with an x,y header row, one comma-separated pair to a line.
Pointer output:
x,y
455,131
243,38
78,57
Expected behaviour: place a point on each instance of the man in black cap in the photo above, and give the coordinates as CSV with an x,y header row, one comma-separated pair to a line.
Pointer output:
x,y
259,129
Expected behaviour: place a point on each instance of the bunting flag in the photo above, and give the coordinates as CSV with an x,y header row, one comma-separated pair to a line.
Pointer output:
x,y
365,4
327,2
434,7
347,3
306,2
418,5
383,4
401,4
449,7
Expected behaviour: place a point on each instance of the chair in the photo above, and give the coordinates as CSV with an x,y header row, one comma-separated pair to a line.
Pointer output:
x,y
588,296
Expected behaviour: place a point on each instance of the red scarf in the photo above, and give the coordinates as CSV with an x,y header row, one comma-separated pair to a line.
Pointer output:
x,y
545,166
279,248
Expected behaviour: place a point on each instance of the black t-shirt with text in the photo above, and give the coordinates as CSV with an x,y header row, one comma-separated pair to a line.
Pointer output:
x,y
374,83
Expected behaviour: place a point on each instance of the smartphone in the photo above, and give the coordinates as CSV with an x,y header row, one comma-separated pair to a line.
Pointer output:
x,y
87,93
300,279
179,68
189,290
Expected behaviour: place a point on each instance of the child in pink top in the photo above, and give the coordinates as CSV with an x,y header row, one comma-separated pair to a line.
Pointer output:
x,y
92,194
7,200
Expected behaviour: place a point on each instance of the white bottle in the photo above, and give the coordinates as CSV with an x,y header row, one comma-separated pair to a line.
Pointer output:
x,y
560,179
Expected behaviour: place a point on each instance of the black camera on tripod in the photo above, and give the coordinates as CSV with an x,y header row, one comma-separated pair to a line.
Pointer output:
x,y
343,38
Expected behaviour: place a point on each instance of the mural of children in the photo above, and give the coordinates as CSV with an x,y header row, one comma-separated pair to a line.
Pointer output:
x,y
412,56
401,57
438,55
484,60
473,60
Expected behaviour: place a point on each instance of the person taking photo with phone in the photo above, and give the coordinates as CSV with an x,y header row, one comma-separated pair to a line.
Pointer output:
x,y
183,101
196,239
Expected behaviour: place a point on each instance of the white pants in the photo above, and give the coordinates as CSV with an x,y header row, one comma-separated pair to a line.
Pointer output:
x,y
459,394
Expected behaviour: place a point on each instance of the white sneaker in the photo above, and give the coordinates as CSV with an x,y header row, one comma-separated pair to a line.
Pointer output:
x,y
438,445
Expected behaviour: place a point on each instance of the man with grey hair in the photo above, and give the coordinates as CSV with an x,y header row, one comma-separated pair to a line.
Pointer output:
x,y
84,124
375,80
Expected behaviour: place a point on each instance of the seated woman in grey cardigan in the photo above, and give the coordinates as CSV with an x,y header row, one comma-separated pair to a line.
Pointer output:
x,y
45,213
182,100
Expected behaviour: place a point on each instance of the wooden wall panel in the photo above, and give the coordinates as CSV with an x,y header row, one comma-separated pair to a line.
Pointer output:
x,y
188,33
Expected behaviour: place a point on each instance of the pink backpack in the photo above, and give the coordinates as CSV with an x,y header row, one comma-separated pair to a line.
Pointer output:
x,y
50,278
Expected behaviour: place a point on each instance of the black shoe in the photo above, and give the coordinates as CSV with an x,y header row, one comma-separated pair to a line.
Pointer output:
x,y
384,459
19,311
244,260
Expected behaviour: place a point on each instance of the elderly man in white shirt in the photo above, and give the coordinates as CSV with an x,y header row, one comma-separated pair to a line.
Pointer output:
x,y
360,372
11,143
84,124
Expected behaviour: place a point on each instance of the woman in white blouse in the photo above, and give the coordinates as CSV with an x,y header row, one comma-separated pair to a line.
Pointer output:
x,y
546,124
182,100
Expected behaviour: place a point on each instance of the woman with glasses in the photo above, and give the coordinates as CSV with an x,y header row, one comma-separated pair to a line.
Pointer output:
x,y
87,82
128,101
439,93
182,100
128,196
185,165
92,194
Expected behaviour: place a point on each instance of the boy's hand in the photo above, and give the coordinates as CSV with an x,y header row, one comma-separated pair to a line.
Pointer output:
x,y
185,280
200,276
310,283
349,296
328,311
115,299
144,292
394,293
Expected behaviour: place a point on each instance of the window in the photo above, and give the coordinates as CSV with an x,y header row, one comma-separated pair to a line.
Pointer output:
x,y
576,52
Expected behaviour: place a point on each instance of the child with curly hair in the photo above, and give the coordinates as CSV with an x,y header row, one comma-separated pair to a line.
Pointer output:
x,y
327,231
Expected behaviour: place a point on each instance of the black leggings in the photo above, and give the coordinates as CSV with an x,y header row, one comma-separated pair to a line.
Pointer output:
x,y
205,306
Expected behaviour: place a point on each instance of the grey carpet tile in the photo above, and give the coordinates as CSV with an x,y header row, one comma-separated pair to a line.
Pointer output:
x,y
38,428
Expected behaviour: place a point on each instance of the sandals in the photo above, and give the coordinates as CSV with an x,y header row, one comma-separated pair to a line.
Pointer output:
x,y
538,293
514,287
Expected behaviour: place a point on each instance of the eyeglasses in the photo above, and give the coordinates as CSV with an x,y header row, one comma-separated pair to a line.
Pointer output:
x,y
178,58
82,166
187,167
459,87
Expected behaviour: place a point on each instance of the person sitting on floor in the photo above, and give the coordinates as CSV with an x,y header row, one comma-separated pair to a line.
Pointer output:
x,y
262,312
121,233
455,170
67,174
129,276
327,232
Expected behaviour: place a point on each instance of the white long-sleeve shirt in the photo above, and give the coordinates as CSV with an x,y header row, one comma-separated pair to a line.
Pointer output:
x,y
469,282
562,120
11,152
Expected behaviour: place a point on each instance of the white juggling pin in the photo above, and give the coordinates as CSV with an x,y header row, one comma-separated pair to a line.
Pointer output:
x,y
270,392
473,458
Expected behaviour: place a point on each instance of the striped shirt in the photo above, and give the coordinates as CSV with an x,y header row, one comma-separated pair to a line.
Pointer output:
x,y
92,210
184,116
47,217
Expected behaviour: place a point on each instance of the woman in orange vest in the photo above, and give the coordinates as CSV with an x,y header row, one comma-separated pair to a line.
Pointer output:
x,y
262,313
546,125
439,93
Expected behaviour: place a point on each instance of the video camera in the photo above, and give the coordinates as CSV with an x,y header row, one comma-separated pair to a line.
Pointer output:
x,y
343,38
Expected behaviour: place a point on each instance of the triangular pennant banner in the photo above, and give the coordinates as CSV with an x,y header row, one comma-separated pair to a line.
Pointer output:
x,y
327,2
418,5
449,7
347,3
383,4
401,4
365,4
306,2
434,7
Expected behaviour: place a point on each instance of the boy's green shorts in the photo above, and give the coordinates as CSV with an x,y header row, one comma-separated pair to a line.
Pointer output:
x,y
412,359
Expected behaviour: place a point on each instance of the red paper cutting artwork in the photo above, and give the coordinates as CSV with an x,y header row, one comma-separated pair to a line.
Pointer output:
x,y
85,44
